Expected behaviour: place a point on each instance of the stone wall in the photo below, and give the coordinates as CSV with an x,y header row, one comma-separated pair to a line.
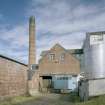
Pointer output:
x,y
70,65
13,78
33,84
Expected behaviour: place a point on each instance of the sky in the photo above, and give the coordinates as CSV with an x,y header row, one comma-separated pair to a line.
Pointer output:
x,y
57,21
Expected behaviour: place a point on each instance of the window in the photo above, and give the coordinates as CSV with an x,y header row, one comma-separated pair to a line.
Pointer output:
x,y
33,67
51,56
62,57
64,78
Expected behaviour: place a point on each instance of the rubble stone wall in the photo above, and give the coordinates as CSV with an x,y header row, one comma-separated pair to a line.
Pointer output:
x,y
13,78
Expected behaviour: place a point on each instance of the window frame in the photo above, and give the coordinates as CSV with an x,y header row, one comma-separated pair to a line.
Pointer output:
x,y
51,56
62,57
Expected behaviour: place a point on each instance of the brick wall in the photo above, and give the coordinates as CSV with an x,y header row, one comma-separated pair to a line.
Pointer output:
x,y
70,65
13,78
34,84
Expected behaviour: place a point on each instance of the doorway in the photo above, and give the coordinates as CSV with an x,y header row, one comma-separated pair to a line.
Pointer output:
x,y
47,83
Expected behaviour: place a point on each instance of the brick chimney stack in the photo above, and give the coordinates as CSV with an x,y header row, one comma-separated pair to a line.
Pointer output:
x,y
32,52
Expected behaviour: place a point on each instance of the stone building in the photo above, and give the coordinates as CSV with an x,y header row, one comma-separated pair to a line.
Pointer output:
x,y
13,77
58,61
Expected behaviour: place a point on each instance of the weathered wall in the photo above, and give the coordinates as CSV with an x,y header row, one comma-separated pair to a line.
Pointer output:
x,y
96,87
33,84
83,90
13,78
32,56
92,87
70,65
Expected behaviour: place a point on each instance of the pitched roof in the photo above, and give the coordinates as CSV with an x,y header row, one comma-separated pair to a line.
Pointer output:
x,y
71,51
5,57
43,53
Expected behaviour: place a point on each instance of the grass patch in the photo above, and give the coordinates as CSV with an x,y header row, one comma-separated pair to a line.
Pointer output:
x,y
18,100
72,97
94,101
64,99
75,100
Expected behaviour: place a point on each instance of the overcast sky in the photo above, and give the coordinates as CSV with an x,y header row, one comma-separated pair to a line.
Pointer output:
x,y
57,21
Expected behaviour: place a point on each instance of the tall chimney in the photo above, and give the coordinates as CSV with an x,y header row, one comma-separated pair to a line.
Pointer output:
x,y
32,57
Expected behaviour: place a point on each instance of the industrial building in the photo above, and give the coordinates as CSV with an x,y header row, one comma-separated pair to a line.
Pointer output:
x,y
59,67
13,77
93,83
58,70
